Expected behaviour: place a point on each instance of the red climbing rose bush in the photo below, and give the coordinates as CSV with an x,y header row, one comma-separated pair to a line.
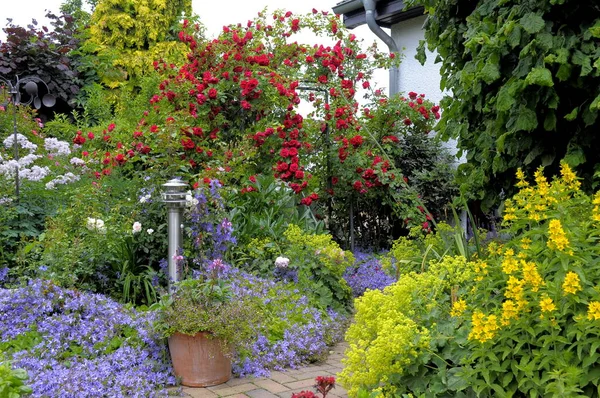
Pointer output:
x,y
256,101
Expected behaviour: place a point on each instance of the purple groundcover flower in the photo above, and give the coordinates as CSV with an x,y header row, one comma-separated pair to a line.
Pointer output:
x,y
82,344
306,331
366,273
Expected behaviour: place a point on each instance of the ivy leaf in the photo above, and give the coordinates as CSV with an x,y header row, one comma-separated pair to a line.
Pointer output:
x,y
540,76
532,22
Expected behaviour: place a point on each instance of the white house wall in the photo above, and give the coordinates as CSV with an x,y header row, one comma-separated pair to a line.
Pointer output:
x,y
414,76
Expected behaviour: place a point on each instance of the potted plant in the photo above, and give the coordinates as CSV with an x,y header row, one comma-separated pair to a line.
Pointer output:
x,y
204,325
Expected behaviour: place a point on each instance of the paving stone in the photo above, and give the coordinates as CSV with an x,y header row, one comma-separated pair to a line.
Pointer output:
x,y
281,377
271,386
312,375
236,396
225,392
237,381
308,383
260,393
199,393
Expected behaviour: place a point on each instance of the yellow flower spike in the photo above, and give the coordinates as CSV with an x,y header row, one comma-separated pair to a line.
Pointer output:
x,y
509,311
525,243
510,265
557,238
458,308
572,284
593,313
547,305
531,275
568,177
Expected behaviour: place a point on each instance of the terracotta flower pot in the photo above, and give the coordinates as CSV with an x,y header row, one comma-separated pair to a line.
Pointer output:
x,y
199,360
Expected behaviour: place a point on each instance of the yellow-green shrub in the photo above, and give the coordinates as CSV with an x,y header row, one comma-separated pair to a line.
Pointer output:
x,y
397,331
321,264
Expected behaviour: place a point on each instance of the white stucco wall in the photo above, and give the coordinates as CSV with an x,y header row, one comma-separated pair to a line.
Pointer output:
x,y
414,76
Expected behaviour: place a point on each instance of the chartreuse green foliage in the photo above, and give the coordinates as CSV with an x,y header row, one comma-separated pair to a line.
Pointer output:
x,y
522,321
130,35
12,381
525,82
321,264
402,340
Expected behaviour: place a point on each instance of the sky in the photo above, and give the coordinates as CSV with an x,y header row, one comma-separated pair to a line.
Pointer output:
x,y
212,14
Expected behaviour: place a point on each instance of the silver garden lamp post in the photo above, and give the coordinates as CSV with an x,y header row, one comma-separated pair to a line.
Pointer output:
x,y
30,84
174,198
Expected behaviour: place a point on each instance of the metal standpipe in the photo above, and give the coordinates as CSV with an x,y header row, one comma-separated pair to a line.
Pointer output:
x,y
174,198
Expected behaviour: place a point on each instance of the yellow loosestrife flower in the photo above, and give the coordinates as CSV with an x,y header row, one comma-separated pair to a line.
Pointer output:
x,y
596,210
458,308
531,275
547,305
483,329
509,264
522,183
569,177
593,311
525,243
557,238
480,268
509,311
571,285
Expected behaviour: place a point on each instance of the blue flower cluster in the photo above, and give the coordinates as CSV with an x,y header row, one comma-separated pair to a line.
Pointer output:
x,y
366,273
76,344
296,332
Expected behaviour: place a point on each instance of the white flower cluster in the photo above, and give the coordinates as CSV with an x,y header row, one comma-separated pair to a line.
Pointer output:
x,y
191,201
77,162
22,141
28,159
96,224
62,180
56,147
36,173
145,198
137,227
282,262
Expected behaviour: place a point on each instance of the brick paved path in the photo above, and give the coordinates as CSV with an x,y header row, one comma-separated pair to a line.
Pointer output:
x,y
280,384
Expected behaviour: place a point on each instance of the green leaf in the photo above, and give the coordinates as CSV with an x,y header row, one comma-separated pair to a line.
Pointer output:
x,y
506,99
540,76
595,104
572,115
595,30
550,121
526,119
532,22
490,72
584,61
